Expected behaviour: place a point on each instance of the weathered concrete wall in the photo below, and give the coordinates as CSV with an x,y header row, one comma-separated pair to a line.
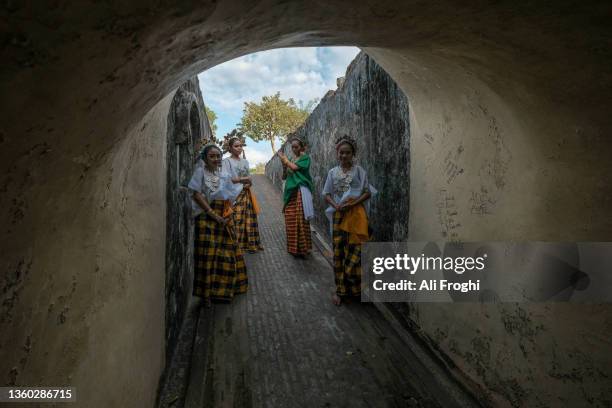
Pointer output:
x,y
477,176
64,316
87,298
369,106
78,77
187,126
487,163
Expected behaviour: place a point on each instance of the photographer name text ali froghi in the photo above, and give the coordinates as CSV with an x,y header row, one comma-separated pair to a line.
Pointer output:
x,y
430,285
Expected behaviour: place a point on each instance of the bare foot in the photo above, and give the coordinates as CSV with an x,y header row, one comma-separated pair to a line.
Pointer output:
x,y
336,299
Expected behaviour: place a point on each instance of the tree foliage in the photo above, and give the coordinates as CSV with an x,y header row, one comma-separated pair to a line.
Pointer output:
x,y
212,119
260,168
273,118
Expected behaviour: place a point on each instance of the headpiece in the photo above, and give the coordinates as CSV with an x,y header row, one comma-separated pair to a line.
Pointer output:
x,y
231,137
294,136
206,147
346,139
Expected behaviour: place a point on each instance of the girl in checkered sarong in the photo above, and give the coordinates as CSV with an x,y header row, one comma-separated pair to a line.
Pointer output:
x,y
347,192
245,204
220,271
297,198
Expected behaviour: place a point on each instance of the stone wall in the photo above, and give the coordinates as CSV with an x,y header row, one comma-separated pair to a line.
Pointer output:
x,y
368,105
187,126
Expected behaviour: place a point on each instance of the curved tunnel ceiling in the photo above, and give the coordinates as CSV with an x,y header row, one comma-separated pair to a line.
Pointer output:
x,y
97,60
523,88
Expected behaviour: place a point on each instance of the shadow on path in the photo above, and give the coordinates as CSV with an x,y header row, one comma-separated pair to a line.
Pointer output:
x,y
284,344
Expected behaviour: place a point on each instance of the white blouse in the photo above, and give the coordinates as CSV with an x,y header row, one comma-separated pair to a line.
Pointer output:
x,y
342,185
235,168
213,186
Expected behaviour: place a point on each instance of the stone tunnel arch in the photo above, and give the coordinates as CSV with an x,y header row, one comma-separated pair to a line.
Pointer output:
x,y
505,93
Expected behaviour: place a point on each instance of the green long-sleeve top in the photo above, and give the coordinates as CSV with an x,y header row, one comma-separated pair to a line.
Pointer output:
x,y
297,178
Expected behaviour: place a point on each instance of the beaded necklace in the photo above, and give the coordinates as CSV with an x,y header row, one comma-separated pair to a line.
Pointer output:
x,y
212,181
342,179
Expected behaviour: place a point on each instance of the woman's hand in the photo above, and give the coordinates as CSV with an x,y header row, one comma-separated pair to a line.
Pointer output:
x,y
288,164
218,218
345,205
283,158
241,180
331,202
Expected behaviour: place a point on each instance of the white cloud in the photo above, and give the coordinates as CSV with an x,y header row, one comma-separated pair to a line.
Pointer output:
x,y
256,156
337,59
257,152
299,73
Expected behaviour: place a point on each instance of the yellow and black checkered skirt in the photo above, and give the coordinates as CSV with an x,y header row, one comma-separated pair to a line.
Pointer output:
x,y
347,260
245,221
220,271
299,239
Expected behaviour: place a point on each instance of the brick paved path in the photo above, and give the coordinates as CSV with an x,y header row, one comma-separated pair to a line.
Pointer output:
x,y
285,344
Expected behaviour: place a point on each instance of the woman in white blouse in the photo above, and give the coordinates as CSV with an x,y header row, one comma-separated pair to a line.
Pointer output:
x,y
215,277
244,202
347,192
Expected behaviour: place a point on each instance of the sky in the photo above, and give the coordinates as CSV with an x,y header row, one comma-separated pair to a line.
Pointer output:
x,y
299,73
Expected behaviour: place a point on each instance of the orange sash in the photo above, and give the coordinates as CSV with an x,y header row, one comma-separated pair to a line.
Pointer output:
x,y
254,201
227,209
355,222
227,212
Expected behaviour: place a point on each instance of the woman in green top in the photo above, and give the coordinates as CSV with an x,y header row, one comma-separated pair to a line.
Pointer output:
x,y
298,207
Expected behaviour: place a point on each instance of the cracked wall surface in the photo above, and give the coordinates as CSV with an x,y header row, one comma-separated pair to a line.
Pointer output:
x,y
489,163
87,304
509,114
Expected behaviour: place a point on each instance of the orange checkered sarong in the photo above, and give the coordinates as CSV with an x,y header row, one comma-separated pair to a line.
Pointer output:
x,y
299,240
245,222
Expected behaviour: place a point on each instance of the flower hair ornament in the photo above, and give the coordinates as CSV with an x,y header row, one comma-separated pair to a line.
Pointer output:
x,y
209,145
230,138
293,136
348,140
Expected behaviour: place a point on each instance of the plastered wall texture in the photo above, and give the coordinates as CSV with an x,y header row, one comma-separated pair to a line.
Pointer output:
x,y
79,78
187,126
369,106
458,187
88,304
494,174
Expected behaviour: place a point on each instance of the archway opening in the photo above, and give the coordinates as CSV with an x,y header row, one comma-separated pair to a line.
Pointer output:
x,y
506,117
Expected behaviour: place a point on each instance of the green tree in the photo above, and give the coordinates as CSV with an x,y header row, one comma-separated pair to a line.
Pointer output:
x,y
272,118
260,168
212,119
